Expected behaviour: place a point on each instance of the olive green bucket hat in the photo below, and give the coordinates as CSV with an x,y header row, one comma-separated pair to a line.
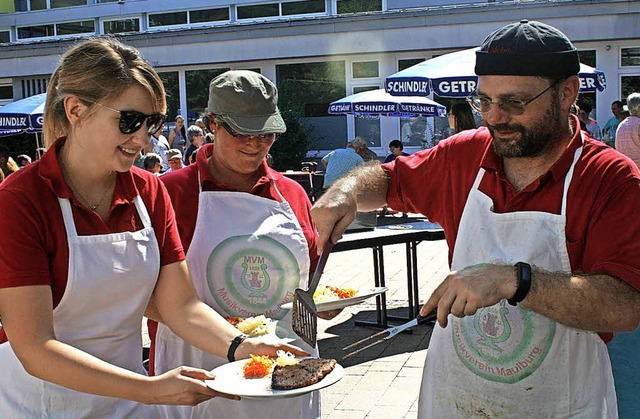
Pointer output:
x,y
247,101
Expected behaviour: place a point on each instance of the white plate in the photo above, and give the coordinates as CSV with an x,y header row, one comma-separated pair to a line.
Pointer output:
x,y
229,380
278,330
363,294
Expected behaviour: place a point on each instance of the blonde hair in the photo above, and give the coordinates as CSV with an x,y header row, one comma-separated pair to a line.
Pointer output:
x,y
97,70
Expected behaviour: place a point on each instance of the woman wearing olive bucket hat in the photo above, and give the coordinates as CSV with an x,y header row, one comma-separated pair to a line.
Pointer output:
x,y
247,231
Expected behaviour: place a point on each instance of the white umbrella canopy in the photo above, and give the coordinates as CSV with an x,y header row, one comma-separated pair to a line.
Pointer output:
x,y
453,76
379,102
23,116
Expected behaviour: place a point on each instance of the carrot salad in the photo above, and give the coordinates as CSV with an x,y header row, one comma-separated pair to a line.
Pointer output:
x,y
257,367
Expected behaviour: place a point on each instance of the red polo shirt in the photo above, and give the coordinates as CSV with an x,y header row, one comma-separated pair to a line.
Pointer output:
x,y
603,198
184,189
35,249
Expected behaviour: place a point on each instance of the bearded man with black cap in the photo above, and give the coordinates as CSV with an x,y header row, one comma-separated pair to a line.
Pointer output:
x,y
542,270
247,232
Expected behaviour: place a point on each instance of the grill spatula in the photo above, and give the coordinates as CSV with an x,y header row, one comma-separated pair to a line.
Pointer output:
x,y
305,315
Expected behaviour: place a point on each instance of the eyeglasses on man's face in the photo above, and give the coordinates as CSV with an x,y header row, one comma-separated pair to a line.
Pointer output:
x,y
131,121
246,137
512,106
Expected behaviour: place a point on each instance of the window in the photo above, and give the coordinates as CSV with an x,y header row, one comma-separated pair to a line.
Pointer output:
x,y
37,4
209,15
630,57
27,5
307,89
167,19
629,84
198,91
365,69
67,3
6,92
123,25
35,31
410,62
588,57
358,6
172,91
258,11
367,127
303,7
74,28
5,36
34,86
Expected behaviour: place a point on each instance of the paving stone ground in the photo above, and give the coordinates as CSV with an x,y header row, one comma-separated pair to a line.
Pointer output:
x,y
384,381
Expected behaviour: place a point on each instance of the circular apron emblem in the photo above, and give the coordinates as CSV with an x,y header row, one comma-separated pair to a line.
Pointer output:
x,y
251,275
503,343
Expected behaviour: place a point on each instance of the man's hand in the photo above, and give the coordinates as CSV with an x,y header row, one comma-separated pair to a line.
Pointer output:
x,y
463,292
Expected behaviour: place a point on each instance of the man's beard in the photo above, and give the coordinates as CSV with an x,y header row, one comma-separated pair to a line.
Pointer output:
x,y
537,138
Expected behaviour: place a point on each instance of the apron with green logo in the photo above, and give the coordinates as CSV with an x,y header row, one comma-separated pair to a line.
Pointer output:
x,y
247,256
507,361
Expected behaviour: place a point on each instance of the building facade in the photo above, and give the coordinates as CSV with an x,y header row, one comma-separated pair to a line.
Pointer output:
x,y
316,51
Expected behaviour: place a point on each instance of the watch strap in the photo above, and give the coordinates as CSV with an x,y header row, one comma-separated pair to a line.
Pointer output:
x,y
231,353
524,283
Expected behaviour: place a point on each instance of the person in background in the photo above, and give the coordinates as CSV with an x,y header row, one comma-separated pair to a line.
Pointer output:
x,y
584,112
247,231
151,162
160,145
395,147
461,117
96,245
341,161
623,349
365,152
609,129
200,124
543,271
40,152
174,157
23,161
196,139
7,164
177,135
628,132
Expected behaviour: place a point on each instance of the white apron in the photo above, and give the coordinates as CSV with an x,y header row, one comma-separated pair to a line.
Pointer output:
x,y
247,256
507,361
110,280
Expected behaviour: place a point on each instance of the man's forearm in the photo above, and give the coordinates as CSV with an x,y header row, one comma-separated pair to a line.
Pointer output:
x,y
599,303
370,183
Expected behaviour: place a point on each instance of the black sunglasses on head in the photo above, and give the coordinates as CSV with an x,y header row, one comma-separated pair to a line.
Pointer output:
x,y
131,121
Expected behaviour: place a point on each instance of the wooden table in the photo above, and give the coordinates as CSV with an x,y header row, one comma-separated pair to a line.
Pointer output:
x,y
411,234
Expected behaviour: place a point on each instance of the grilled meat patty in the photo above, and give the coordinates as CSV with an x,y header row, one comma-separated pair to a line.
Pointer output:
x,y
306,372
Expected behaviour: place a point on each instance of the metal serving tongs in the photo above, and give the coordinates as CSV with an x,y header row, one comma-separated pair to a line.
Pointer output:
x,y
390,333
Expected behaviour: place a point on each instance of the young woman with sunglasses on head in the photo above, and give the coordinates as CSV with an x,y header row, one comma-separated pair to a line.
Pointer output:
x,y
96,241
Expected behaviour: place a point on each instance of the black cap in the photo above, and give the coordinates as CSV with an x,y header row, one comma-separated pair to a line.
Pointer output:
x,y
527,49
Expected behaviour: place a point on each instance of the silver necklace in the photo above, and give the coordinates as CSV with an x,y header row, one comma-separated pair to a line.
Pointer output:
x,y
76,191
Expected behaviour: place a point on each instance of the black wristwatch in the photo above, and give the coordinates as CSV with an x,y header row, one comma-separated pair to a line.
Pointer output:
x,y
231,353
524,283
